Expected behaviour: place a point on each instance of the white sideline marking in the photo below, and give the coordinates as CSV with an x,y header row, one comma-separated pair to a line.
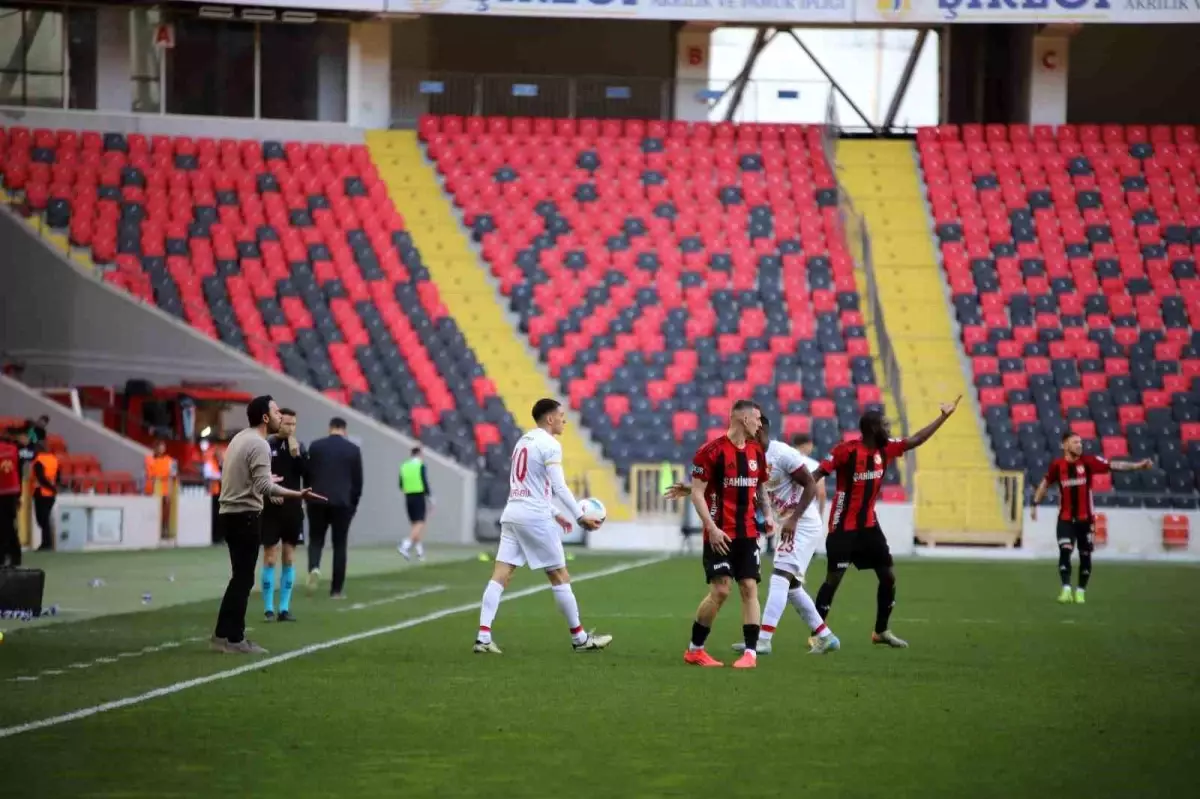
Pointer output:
x,y
175,688
432,589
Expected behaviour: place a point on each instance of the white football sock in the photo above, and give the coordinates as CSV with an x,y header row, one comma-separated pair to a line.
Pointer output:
x,y
420,550
564,597
773,610
802,602
487,610
407,545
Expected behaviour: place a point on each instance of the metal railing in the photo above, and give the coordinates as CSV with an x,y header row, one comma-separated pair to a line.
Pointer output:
x,y
414,94
858,239
645,493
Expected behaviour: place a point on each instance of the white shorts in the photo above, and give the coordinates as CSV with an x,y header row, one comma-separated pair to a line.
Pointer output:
x,y
538,544
794,558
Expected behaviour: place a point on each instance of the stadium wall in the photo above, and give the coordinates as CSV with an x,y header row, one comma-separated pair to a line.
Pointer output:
x,y
70,329
500,45
1130,74
179,125
1132,535
116,453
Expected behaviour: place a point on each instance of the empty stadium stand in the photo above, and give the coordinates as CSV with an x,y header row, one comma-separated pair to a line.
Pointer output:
x,y
1071,258
663,270
287,251
81,472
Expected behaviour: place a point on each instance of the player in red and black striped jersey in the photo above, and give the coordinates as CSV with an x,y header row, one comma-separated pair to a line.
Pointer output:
x,y
854,534
729,477
1073,474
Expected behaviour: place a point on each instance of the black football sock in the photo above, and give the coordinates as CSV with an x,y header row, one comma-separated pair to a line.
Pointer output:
x,y
1085,569
750,633
885,600
825,599
699,634
1064,566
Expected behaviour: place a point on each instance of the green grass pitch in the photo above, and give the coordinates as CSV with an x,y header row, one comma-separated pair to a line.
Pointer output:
x,y
1003,693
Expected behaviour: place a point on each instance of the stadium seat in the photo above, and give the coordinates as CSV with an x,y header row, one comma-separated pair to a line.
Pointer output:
x,y
664,270
290,252
1071,254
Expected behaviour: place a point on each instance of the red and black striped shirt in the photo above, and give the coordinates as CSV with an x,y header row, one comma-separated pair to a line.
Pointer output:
x,y
1074,481
859,470
732,475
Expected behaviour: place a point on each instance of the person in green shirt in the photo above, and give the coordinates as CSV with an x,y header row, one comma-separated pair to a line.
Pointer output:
x,y
414,482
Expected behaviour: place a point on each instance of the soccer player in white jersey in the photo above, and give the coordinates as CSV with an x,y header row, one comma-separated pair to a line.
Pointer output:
x,y
788,472
531,529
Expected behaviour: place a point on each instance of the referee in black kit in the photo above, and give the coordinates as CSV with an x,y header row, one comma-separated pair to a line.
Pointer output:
x,y
247,479
335,470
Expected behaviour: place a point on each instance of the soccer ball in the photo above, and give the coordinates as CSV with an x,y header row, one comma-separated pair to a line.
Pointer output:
x,y
593,510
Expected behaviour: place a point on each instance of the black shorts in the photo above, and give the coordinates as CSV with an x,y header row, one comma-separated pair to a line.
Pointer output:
x,y
1079,535
740,563
288,529
416,507
865,549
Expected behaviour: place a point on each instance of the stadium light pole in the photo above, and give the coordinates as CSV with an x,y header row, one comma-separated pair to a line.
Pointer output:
x,y
910,66
836,86
761,40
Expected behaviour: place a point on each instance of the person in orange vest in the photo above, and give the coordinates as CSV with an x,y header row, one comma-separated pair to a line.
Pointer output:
x,y
45,492
212,478
161,469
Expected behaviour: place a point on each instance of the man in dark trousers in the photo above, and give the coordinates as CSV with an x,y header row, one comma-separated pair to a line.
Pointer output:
x,y
336,472
246,481
414,482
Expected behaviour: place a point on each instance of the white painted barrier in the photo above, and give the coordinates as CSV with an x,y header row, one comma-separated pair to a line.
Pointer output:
x,y
1133,534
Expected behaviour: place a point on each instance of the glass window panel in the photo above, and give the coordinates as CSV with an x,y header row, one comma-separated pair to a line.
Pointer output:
x,y
44,91
11,22
81,47
146,96
304,71
210,70
44,33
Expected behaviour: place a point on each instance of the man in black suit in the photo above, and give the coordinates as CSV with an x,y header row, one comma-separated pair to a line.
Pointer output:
x,y
335,471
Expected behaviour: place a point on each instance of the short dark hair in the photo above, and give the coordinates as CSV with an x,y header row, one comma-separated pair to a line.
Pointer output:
x,y
543,407
45,417
766,420
286,412
1069,435
416,450
871,422
743,404
337,423
258,408
801,439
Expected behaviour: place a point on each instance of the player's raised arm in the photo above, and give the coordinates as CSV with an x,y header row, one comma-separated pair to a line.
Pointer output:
x,y
926,432
1130,466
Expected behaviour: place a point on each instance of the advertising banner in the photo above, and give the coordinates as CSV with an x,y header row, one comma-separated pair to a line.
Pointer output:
x,y
1132,12
280,6
788,11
